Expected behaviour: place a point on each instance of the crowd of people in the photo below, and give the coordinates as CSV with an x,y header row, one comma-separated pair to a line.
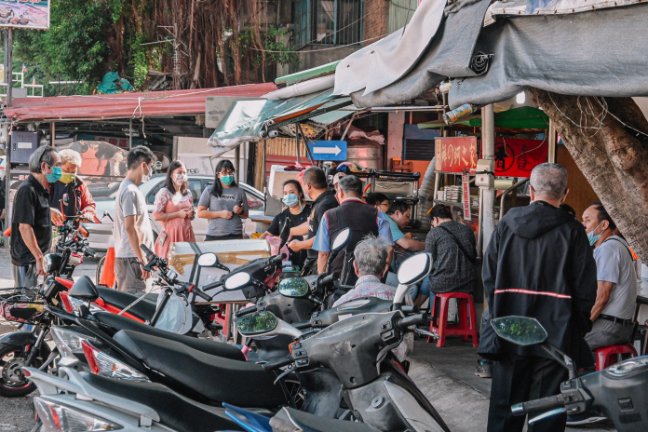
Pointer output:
x,y
577,278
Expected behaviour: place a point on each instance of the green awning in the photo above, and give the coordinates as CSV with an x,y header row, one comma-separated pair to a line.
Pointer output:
x,y
517,118
307,74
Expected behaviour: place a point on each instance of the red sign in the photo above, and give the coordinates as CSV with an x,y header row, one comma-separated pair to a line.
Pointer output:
x,y
517,157
456,154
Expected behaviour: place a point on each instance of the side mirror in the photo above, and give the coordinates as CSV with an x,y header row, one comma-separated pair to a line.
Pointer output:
x,y
257,323
295,287
341,239
84,289
237,281
208,259
520,330
53,262
414,269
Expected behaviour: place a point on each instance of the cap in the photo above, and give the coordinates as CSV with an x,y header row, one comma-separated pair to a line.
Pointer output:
x,y
337,177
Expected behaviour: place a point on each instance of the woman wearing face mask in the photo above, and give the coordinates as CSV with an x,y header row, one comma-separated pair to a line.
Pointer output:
x,y
224,204
69,194
173,208
295,212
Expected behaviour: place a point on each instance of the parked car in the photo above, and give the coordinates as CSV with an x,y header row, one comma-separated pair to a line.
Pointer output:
x,y
101,233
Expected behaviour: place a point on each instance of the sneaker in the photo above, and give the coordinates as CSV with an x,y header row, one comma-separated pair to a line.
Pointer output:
x,y
483,369
583,419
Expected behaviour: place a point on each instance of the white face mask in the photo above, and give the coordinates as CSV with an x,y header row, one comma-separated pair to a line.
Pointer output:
x,y
180,178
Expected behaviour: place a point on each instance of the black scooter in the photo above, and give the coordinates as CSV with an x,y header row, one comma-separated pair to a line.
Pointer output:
x,y
618,391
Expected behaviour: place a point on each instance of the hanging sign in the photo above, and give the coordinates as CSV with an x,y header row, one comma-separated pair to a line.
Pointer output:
x,y
465,195
29,14
328,150
456,154
517,157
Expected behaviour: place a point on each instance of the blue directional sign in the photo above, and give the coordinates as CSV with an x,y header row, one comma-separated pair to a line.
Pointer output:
x,y
328,150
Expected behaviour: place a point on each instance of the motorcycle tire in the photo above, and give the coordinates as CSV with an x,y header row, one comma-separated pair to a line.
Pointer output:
x,y
12,382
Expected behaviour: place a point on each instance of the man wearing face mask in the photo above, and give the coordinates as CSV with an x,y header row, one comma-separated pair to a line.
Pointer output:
x,y
538,264
616,276
31,225
132,223
70,194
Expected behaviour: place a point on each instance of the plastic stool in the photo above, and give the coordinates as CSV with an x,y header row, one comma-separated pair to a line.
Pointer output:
x,y
466,327
608,355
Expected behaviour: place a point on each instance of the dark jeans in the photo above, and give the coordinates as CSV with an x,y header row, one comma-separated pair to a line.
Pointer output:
x,y
518,379
227,237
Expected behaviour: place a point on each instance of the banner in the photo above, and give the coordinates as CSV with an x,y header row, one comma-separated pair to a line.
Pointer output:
x,y
517,157
30,14
456,154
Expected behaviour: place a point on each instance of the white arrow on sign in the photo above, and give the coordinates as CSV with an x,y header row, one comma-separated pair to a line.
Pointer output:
x,y
327,150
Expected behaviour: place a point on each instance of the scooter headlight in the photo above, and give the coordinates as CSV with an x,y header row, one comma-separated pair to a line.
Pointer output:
x,y
59,418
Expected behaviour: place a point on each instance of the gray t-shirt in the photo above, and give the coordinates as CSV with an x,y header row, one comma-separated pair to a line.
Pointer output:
x,y
230,197
130,202
614,264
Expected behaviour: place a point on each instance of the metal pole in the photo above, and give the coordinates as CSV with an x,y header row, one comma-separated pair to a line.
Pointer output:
x,y
130,133
9,65
53,133
8,102
487,201
552,141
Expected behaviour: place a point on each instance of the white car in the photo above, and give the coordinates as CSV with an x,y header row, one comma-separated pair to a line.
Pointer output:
x,y
101,233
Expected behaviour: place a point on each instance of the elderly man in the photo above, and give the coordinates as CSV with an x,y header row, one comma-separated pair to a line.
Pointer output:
x,y
538,264
370,266
31,224
70,195
353,213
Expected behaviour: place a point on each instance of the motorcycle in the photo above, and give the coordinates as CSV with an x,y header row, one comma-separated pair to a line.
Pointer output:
x,y
618,391
358,351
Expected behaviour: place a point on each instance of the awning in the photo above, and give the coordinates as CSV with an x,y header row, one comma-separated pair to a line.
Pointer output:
x,y
517,118
126,105
251,120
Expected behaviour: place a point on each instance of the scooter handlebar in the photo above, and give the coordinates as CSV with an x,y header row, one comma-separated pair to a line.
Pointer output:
x,y
542,404
412,320
200,293
277,259
246,311
270,366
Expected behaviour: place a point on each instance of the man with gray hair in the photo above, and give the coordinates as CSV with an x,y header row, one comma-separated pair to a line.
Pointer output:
x,y
70,194
31,226
370,265
538,264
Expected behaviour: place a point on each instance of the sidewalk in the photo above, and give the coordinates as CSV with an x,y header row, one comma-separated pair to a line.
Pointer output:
x,y
446,376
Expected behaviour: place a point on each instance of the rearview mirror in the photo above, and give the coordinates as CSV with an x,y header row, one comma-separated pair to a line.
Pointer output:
x,y
84,289
237,281
414,269
520,330
208,259
257,323
295,287
341,239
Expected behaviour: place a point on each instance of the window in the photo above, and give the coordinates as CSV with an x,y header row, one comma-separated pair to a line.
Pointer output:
x,y
328,22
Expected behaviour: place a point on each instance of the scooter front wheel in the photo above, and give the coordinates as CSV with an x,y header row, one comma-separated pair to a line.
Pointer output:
x,y
13,382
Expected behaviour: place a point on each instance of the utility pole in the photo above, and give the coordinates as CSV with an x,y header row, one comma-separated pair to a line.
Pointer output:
x,y
5,127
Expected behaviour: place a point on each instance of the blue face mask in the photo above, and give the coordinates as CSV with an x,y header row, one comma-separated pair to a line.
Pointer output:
x,y
55,175
593,238
290,200
227,180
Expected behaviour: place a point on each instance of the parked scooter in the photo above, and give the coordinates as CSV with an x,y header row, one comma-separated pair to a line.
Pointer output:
x,y
358,350
618,391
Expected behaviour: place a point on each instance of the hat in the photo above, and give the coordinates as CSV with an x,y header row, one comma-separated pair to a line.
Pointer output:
x,y
337,177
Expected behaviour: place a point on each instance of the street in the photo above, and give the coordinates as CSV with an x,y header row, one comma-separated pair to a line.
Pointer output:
x,y
445,375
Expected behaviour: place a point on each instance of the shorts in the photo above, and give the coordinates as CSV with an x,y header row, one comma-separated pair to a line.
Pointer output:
x,y
128,275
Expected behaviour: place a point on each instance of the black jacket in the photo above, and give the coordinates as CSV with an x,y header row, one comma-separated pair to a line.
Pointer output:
x,y
539,264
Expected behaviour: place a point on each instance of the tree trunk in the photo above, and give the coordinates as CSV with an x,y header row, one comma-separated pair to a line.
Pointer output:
x,y
611,155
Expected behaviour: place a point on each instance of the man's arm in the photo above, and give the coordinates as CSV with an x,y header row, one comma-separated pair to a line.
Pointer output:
x,y
582,277
299,230
29,238
603,294
489,268
322,259
135,240
410,244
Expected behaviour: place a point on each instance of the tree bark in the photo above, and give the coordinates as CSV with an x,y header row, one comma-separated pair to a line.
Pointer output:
x,y
601,135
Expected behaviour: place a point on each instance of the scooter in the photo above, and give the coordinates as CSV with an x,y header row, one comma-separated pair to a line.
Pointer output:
x,y
618,391
358,350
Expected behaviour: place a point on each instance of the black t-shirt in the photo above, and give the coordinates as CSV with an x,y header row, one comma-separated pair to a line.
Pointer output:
x,y
31,207
295,220
324,202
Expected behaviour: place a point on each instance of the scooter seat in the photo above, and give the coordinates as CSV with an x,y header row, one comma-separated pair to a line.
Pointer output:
x,y
289,419
221,349
174,410
143,309
208,377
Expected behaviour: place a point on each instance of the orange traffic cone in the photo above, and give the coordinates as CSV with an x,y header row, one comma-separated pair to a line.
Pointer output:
x,y
7,232
107,277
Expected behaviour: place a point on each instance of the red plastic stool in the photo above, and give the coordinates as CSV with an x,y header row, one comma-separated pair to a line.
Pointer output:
x,y
466,327
608,355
